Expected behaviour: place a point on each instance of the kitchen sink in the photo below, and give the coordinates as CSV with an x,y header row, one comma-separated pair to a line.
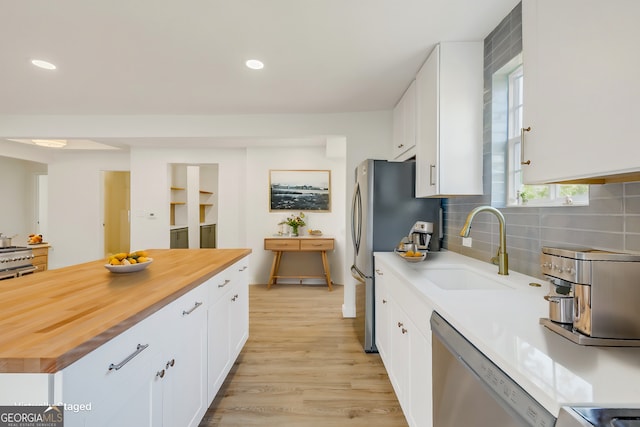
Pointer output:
x,y
462,279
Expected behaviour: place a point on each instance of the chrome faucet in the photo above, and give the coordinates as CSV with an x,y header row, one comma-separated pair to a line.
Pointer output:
x,y
502,258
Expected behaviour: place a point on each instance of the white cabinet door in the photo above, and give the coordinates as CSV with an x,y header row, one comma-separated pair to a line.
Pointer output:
x,y
185,363
420,394
228,321
404,124
400,347
218,335
581,88
427,97
118,380
383,317
449,91
239,311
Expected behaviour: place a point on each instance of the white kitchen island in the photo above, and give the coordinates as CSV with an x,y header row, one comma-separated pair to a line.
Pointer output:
x,y
502,321
136,349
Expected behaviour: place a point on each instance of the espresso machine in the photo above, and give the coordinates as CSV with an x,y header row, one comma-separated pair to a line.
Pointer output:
x,y
420,234
601,288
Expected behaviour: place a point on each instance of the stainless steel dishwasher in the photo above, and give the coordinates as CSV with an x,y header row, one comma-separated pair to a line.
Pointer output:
x,y
470,390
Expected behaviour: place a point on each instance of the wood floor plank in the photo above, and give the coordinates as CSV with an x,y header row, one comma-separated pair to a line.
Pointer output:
x,y
303,366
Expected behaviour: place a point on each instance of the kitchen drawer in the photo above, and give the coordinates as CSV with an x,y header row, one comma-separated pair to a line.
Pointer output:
x,y
40,251
282,244
41,263
41,258
316,245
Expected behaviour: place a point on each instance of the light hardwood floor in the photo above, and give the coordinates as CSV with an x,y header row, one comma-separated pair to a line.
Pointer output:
x,y
303,366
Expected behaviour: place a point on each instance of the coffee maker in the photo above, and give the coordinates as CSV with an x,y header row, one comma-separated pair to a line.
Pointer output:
x,y
420,234
601,287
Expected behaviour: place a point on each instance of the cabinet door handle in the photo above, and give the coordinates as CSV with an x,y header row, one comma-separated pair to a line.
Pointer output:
x,y
170,363
244,267
226,282
379,272
400,324
384,301
432,168
235,297
160,374
401,145
404,331
188,312
139,349
522,160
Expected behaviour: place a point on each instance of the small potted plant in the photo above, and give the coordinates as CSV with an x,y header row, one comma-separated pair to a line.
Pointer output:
x,y
294,221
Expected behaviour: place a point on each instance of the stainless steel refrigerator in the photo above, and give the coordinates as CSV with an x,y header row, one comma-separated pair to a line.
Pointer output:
x,y
383,210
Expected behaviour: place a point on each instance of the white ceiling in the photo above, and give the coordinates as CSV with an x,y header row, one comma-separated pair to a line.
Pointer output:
x,y
187,57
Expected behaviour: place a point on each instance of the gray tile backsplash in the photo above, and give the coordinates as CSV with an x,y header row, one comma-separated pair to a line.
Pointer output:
x,y
611,221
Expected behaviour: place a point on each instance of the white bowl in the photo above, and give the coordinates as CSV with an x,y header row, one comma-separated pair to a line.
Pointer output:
x,y
128,268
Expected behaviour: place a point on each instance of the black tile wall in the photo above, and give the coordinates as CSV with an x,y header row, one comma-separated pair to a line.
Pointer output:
x,y
611,221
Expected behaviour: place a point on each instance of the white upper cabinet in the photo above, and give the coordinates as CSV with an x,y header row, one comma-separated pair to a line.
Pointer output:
x,y
581,89
404,125
449,89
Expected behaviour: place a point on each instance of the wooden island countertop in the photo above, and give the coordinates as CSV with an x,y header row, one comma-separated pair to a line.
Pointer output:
x,y
51,319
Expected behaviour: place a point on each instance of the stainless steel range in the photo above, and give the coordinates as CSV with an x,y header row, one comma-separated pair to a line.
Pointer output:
x,y
605,291
16,261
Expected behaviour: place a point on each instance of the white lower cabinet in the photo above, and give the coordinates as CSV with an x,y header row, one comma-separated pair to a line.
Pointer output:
x,y
165,370
382,317
228,322
404,343
184,399
116,384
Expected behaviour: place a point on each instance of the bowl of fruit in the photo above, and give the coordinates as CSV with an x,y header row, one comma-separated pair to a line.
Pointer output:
x,y
412,256
128,262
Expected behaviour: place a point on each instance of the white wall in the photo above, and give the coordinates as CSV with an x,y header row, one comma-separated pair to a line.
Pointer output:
x,y
18,209
150,193
75,192
261,223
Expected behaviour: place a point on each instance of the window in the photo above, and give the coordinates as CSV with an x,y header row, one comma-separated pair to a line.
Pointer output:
x,y
517,193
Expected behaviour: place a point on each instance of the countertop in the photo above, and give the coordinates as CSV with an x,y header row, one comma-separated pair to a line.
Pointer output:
x,y
301,236
504,325
51,319
39,245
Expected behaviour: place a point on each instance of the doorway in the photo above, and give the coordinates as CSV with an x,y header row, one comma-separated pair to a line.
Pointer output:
x,y
117,211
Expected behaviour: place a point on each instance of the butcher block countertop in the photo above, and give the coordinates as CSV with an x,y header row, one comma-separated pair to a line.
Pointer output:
x,y
50,320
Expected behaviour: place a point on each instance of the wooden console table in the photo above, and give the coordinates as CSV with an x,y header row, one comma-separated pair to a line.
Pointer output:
x,y
279,245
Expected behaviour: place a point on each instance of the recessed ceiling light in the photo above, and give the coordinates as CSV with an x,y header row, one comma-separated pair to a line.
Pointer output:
x,y
52,143
254,64
43,64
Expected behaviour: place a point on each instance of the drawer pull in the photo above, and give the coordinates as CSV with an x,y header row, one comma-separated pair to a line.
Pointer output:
x,y
188,312
139,349
244,267
235,297
226,282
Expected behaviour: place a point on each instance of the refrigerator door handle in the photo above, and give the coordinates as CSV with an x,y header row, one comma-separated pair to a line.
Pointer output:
x,y
356,219
357,274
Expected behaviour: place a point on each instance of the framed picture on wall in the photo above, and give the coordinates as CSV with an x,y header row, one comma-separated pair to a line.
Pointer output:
x,y
300,190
